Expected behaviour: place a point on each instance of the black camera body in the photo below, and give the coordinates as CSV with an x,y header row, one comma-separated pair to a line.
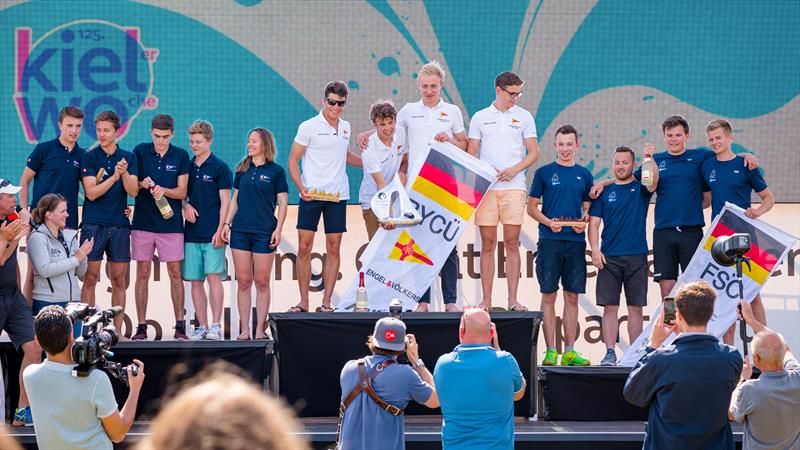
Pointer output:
x,y
93,347
727,249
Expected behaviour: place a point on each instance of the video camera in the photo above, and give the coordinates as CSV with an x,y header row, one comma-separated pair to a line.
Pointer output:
x,y
92,348
726,250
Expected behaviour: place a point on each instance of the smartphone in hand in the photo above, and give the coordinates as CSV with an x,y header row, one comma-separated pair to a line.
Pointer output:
x,y
669,310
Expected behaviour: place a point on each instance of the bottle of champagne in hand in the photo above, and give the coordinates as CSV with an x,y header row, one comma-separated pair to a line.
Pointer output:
x,y
163,206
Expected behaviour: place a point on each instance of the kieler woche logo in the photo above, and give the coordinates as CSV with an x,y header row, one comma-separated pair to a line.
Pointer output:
x,y
93,64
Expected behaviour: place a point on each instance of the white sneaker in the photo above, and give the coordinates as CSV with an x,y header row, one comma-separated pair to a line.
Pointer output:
x,y
214,332
199,333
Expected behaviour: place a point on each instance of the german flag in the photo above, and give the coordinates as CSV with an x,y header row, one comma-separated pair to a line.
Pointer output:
x,y
450,184
764,250
405,249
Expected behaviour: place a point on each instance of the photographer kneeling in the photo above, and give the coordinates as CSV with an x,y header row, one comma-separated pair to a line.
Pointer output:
x,y
74,412
371,416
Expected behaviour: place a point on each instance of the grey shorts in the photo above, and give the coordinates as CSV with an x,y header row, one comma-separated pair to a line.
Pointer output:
x,y
629,272
16,318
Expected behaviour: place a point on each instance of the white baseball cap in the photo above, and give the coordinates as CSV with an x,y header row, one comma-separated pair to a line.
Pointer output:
x,y
7,188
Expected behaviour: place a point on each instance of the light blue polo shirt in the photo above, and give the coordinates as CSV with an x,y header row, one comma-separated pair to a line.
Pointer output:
x,y
476,386
67,410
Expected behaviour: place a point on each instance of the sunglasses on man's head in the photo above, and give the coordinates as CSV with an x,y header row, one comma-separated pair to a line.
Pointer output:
x,y
4,183
339,103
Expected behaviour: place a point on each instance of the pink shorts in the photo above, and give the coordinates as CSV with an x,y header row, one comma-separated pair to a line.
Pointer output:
x,y
145,243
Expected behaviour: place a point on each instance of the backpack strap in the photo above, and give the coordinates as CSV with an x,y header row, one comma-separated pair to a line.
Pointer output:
x,y
365,385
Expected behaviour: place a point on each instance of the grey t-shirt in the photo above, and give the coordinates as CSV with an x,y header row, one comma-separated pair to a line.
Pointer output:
x,y
770,409
67,410
365,424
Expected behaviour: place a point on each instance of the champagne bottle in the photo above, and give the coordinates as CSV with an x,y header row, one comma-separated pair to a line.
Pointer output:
x,y
362,305
648,166
163,206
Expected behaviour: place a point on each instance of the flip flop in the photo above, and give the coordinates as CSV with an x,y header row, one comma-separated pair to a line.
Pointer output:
x,y
297,308
516,307
325,308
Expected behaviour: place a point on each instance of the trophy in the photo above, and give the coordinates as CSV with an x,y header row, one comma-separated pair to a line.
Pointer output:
x,y
317,194
394,193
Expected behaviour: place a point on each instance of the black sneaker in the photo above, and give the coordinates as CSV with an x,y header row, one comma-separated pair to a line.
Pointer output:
x,y
141,333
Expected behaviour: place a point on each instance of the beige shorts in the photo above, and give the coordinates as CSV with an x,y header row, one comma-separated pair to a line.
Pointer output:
x,y
507,207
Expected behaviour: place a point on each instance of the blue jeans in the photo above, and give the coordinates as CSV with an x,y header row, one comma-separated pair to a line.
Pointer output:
x,y
38,305
449,276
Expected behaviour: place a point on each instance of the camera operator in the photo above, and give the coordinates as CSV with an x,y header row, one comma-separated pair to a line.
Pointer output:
x,y
74,412
770,405
371,417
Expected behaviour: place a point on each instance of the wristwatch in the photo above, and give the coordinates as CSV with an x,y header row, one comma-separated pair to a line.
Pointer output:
x,y
419,363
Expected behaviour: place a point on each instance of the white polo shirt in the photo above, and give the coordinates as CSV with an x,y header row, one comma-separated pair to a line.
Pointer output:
x,y
502,137
421,124
325,158
377,157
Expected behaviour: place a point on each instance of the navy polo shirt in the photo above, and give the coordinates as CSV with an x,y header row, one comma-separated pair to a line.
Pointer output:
x,y
623,208
257,197
109,208
58,170
731,181
679,199
562,191
205,182
164,171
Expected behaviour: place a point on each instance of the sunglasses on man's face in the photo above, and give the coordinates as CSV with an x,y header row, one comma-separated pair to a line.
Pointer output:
x,y
339,103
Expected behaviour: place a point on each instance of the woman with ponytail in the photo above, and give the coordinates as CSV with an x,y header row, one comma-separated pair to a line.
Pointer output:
x,y
58,263
252,228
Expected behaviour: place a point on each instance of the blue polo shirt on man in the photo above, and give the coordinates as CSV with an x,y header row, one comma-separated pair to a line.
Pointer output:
x,y
731,181
679,200
476,386
623,208
205,182
562,190
109,208
164,171
58,171
257,197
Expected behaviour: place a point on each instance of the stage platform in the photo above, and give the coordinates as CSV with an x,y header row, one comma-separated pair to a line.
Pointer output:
x,y
425,432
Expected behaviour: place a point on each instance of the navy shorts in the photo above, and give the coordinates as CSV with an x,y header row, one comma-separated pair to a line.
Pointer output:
x,y
561,260
673,247
15,316
334,215
114,241
628,271
251,242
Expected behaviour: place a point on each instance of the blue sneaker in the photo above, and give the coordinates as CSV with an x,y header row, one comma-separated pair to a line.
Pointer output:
x,y
23,417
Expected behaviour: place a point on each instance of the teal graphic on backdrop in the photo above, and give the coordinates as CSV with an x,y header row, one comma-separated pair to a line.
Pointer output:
x,y
614,69
92,64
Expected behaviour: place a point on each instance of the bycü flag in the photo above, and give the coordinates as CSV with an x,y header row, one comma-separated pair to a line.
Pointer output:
x,y
402,263
768,247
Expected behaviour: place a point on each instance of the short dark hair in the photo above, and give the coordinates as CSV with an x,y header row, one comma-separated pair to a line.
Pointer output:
x,y
381,110
567,129
623,149
109,116
675,121
381,351
507,78
336,87
72,111
162,122
53,328
695,302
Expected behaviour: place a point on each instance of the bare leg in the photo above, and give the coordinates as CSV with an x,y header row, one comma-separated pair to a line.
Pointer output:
x,y
549,310
263,271
117,272
200,302
331,270
610,325
666,287
141,289
511,244
243,265
176,289
217,297
488,246
570,318
90,282
635,322
32,355
305,244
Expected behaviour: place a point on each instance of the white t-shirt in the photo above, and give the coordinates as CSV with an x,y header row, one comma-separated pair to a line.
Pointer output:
x,y
421,124
325,159
502,136
66,409
379,158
